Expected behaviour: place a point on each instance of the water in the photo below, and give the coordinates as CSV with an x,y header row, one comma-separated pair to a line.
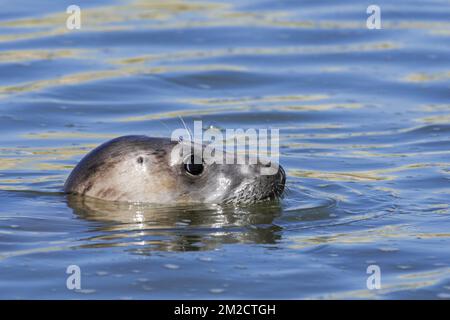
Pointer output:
x,y
364,117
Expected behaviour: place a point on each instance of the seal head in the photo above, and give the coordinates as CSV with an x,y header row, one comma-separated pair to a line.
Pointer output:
x,y
153,170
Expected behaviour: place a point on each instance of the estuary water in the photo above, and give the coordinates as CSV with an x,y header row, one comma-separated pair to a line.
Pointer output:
x,y
364,120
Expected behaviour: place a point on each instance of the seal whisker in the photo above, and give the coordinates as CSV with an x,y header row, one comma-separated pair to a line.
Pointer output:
x,y
187,129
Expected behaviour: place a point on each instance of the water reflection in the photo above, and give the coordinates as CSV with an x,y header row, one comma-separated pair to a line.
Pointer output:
x,y
144,228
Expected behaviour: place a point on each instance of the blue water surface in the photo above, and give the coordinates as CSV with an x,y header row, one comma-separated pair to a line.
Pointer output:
x,y
364,120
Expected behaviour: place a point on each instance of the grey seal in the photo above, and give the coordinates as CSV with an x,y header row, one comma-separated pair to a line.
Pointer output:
x,y
150,170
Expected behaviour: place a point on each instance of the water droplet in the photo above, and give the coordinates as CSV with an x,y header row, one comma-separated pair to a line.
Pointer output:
x,y
388,249
85,291
333,255
216,290
404,267
207,259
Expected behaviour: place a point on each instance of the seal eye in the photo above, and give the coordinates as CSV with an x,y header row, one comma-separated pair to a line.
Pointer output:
x,y
192,168
140,160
